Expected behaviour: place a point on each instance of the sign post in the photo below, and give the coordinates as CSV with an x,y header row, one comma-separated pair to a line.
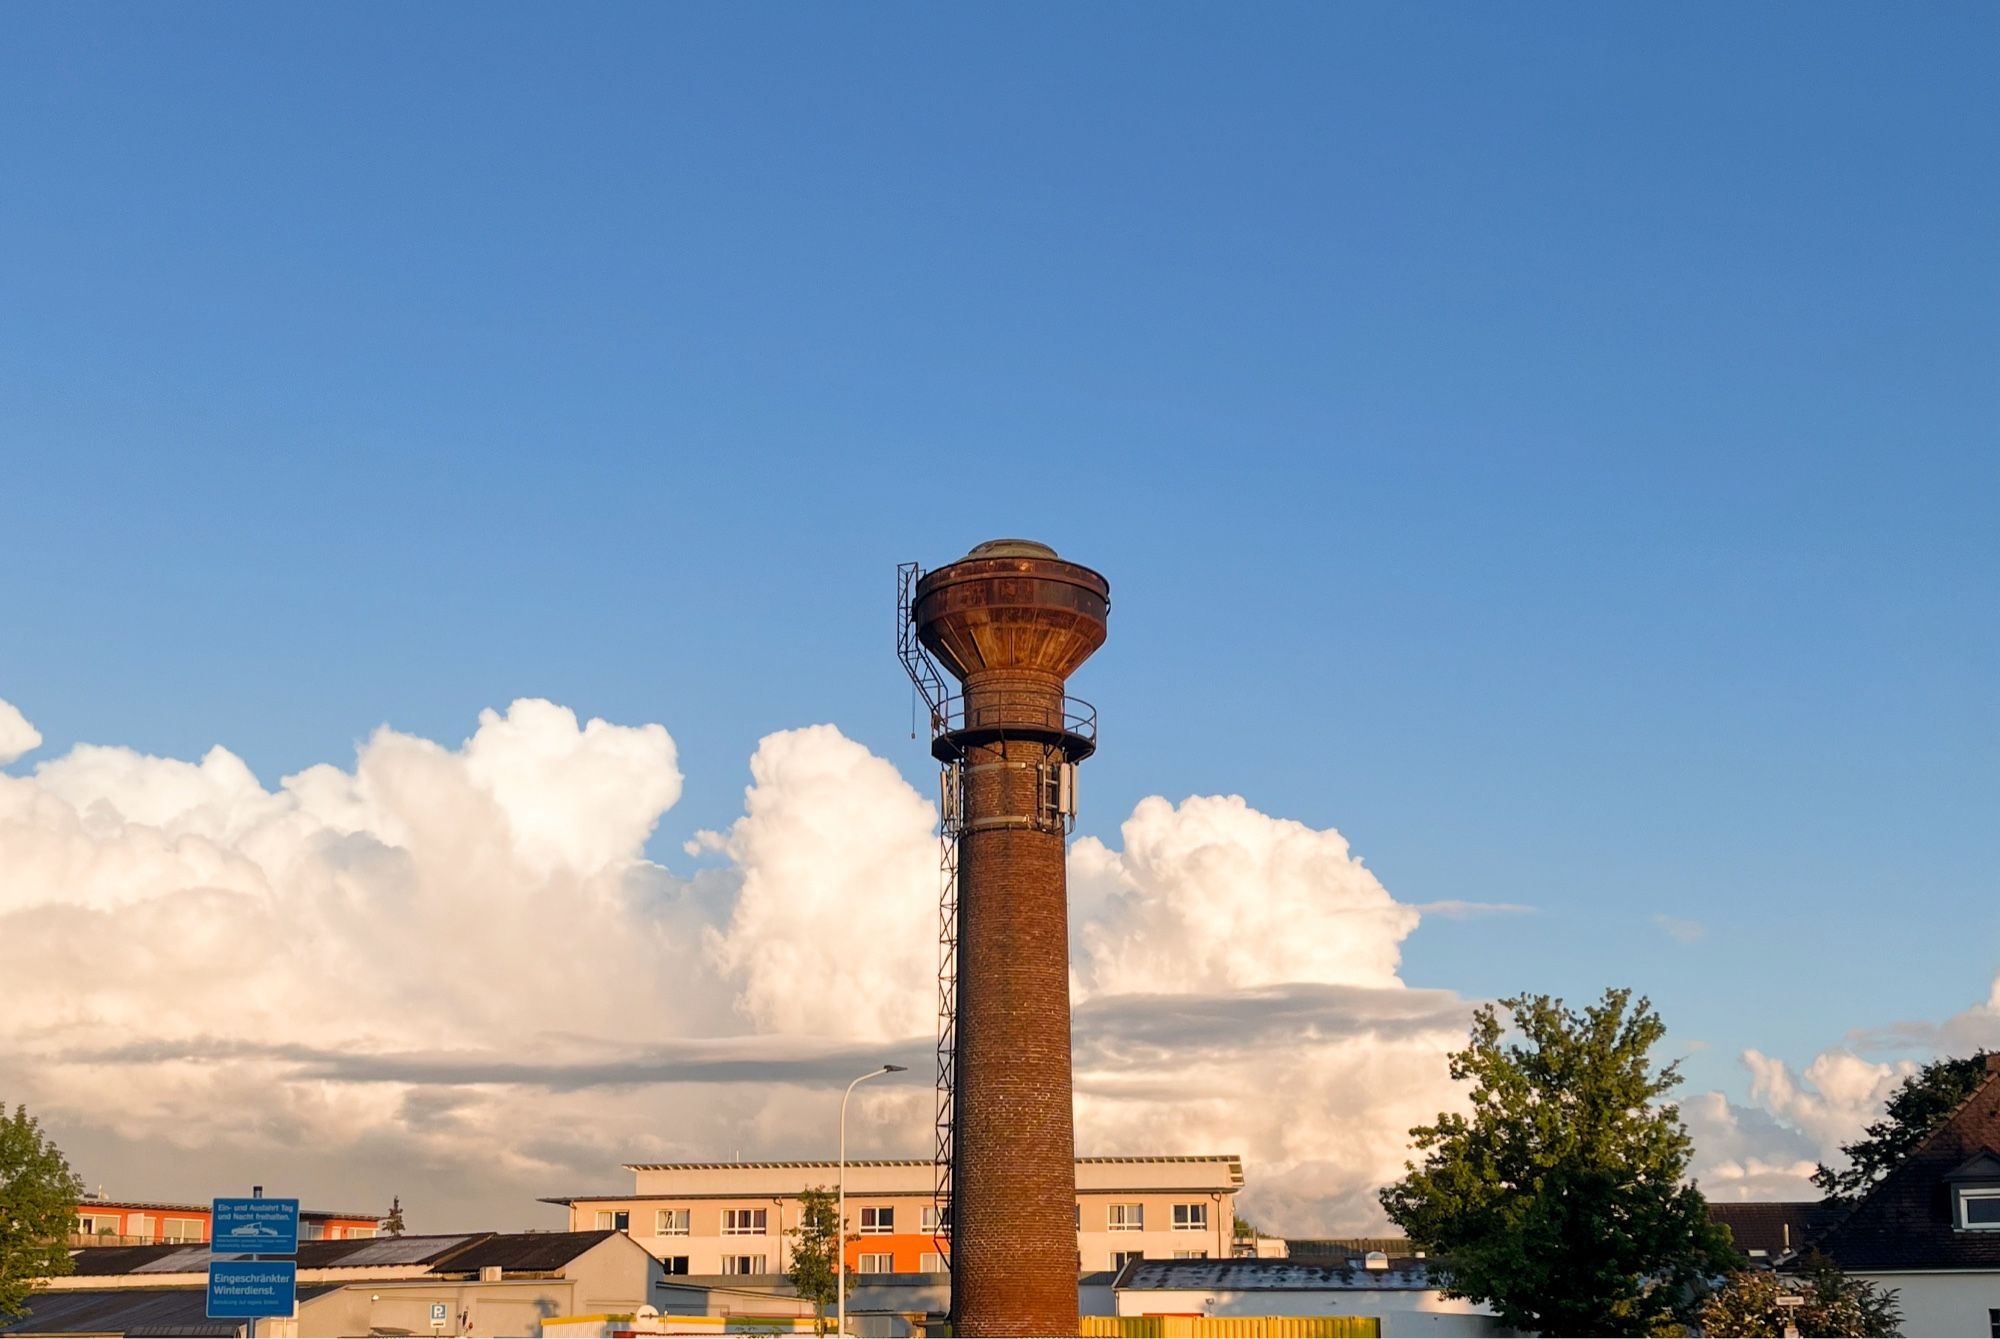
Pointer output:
x,y
1789,1301
249,1288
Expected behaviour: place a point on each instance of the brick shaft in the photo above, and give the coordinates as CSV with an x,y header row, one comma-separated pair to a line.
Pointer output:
x,y
1014,1268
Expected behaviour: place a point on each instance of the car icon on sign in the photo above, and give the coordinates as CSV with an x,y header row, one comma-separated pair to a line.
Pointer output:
x,y
253,1230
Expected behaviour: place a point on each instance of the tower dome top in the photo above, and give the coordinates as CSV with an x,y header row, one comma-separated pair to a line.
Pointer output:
x,y
1011,548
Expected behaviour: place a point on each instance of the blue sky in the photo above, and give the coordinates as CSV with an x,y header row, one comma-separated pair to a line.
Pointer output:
x,y
1554,446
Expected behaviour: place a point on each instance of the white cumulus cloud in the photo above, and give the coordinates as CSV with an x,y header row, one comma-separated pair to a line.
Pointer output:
x,y
16,735
449,972
1242,957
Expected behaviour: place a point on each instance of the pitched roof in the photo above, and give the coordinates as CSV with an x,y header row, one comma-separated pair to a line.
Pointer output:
x,y
526,1252
134,1311
355,1253
1905,1221
1767,1229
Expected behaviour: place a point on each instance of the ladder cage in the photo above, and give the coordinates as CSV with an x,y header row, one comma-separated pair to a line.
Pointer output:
x,y
928,680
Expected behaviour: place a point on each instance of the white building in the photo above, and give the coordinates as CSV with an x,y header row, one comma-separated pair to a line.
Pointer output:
x,y
1397,1292
1931,1228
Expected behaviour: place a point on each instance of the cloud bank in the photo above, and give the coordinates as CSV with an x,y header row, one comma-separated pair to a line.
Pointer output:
x,y
450,973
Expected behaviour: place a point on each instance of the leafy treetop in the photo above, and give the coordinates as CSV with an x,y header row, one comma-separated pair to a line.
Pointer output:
x,y
815,1249
1919,1105
38,1198
1559,1201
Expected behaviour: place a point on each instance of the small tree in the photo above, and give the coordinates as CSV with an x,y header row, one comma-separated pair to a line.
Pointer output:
x,y
816,1252
1559,1202
393,1224
38,1197
1831,1304
1919,1105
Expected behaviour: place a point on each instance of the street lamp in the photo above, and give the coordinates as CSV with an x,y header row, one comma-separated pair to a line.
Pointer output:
x,y
840,1222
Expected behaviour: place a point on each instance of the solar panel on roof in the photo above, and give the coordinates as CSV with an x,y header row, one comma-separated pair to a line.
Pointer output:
x,y
187,1260
393,1251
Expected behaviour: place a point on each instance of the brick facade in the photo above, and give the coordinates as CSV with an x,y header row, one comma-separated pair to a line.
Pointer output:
x,y
1014,1173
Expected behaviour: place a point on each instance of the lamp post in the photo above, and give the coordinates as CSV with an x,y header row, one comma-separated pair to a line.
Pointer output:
x,y
840,1220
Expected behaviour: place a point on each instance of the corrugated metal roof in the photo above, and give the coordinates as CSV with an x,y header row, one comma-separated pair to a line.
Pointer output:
x,y
1403,1273
136,1311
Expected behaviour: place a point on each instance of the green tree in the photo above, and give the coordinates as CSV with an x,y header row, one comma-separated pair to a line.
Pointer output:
x,y
38,1197
393,1224
1559,1202
816,1252
1830,1304
1918,1106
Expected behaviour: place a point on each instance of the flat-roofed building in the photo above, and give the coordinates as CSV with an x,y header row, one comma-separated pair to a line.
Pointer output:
x,y
731,1218
101,1221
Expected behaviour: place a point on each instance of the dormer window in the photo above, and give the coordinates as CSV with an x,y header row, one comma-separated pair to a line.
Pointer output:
x,y
1979,1209
1975,1193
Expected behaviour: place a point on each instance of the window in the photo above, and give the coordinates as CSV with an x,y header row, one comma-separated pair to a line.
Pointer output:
x,y
743,1264
603,1219
1120,1259
671,1223
1979,1209
1190,1255
1993,1321
1079,1218
931,1222
675,1264
875,1264
878,1221
139,1225
97,1224
931,1263
745,1223
1190,1218
1128,1218
622,1220
353,1233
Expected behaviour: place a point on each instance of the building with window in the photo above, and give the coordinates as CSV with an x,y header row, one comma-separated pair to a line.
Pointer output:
x,y
1931,1228
730,1218
483,1283
109,1222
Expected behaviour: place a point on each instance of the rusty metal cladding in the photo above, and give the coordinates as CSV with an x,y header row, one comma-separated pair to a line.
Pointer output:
x,y
1012,621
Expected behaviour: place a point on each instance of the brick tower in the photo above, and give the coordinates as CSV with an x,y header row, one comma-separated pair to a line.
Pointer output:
x,y
1011,621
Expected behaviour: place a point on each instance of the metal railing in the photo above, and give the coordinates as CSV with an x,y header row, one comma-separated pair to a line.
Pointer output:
x,y
1020,711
